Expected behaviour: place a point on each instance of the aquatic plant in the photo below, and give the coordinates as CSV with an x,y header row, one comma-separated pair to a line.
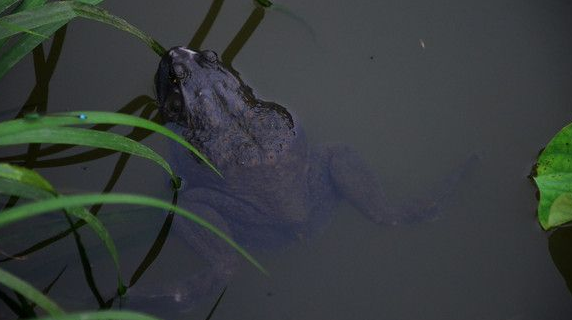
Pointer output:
x,y
553,177
38,20
24,25
56,312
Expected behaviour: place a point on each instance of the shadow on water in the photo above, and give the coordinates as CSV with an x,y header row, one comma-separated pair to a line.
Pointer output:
x,y
23,308
559,244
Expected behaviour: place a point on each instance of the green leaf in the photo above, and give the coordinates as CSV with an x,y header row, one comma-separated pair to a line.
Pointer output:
x,y
37,17
5,4
554,180
86,137
264,3
23,182
64,11
15,188
98,14
28,291
96,117
25,5
29,4
95,224
24,45
36,208
26,176
103,315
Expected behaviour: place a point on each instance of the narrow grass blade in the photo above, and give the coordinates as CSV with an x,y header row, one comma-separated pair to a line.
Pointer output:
x,y
18,189
18,29
27,183
37,17
85,137
103,315
102,233
98,14
33,209
24,183
86,265
24,5
31,293
26,176
29,4
5,4
96,117
63,11
24,45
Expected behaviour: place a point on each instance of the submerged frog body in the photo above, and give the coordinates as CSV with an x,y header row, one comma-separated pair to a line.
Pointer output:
x,y
276,189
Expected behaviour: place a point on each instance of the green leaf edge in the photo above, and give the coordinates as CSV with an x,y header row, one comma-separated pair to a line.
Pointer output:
x,y
44,206
87,137
98,117
555,162
15,283
35,184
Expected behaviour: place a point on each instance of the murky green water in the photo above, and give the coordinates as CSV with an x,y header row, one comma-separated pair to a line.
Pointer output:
x,y
416,87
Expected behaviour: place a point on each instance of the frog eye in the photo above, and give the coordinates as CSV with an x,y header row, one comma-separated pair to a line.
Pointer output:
x,y
210,56
178,73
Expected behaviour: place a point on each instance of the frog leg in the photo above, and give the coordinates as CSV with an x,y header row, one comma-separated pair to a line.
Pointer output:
x,y
220,259
356,182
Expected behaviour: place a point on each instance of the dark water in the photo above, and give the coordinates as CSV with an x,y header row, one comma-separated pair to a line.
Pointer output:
x,y
415,87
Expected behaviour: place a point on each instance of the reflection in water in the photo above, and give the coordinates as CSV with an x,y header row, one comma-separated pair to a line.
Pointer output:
x,y
560,247
205,27
243,35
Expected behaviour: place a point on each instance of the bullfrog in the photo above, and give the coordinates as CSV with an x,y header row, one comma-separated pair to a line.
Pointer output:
x,y
276,188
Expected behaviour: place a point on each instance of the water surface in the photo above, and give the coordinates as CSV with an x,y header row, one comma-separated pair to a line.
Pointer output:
x,y
416,87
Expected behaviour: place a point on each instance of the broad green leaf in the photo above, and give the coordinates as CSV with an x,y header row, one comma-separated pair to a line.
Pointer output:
x,y
36,208
86,137
23,182
554,180
96,117
103,315
63,11
29,292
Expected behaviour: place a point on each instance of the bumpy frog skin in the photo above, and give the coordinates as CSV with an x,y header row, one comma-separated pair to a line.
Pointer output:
x,y
275,188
